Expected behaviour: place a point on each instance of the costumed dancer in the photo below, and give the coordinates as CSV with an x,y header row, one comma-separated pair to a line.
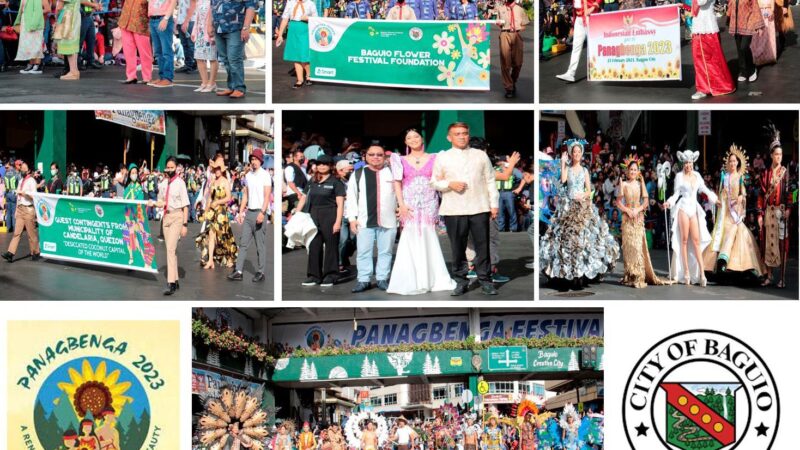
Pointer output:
x,y
711,74
570,423
306,440
688,222
733,247
775,207
581,11
493,435
527,433
471,433
578,245
633,202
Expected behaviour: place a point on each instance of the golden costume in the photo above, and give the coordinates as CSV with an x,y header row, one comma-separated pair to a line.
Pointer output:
x,y
636,258
216,218
732,244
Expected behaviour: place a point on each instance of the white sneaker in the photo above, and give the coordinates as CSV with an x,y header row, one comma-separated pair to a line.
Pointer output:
x,y
566,77
698,95
742,78
754,76
36,69
27,69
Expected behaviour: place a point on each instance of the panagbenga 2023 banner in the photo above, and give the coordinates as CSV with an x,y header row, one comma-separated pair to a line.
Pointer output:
x,y
106,232
410,54
635,45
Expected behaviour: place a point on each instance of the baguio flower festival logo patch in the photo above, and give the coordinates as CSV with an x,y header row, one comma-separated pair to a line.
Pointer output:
x,y
93,385
701,390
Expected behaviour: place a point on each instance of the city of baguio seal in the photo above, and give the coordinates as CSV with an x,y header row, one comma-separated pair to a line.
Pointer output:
x,y
701,390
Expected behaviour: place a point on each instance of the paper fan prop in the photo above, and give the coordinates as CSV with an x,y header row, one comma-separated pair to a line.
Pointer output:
x,y
358,422
524,407
237,407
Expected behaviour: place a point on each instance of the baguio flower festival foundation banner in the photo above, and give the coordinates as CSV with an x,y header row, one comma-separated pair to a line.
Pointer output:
x,y
151,121
635,45
101,385
452,55
105,232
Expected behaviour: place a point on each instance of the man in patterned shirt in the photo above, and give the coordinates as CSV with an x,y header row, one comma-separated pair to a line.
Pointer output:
x,y
229,23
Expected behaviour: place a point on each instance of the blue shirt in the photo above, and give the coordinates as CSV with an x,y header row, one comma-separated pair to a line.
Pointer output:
x,y
427,10
228,15
357,9
464,12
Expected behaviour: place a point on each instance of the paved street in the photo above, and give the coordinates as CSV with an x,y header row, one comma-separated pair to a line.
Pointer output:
x,y
515,252
103,85
734,289
57,280
282,91
775,84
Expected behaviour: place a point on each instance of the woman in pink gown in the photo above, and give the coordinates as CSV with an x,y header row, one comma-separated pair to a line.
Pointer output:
x,y
419,256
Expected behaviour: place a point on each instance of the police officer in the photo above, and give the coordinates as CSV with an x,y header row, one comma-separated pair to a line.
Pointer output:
x,y
11,180
74,183
358,9
105,183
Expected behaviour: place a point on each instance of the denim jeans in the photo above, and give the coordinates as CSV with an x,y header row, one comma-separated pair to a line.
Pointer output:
x,y
507,207
230,52
88,36
162,48
366,239
188,46
2,54
11,209
344,238
192,210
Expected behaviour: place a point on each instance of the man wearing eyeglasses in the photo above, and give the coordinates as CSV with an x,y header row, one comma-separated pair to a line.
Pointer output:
x,y
370,209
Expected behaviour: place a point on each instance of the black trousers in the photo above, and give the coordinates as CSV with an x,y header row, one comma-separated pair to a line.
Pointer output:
x,y
323,253
745,55
459,228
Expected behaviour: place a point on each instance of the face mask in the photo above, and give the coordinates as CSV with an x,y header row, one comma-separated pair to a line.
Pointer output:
x,y
169,173
134,177
54,172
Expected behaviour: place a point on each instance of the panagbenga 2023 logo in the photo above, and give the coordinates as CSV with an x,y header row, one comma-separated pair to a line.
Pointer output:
x,y
701,390
93,385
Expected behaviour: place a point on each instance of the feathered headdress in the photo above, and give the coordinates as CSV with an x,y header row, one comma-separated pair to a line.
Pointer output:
x,y
630,159
576,141
740,154
568,411
233,405
688,156
774,135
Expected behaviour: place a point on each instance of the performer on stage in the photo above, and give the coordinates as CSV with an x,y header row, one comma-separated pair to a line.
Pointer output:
x,y
582,10
775,208
632,200
578,245
712,76
733,247
688,222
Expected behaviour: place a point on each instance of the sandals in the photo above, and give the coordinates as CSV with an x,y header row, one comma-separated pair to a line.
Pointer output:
x,y
297,85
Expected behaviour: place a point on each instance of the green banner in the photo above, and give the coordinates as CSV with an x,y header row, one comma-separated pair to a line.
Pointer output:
x,y
440,362
105,232
410,54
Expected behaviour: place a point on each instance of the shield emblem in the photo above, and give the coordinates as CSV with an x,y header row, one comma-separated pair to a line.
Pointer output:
x,y
701,416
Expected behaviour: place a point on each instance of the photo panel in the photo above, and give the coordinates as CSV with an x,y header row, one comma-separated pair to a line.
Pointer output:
x,y
673,205
407,205
168,206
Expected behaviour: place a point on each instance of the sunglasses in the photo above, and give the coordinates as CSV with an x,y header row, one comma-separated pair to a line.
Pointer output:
x,y
375,154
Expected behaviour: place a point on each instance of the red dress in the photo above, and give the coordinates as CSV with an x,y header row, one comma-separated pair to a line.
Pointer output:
x,y
711,69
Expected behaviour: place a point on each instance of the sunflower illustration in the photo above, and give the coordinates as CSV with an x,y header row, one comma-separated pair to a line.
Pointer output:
x,y
92,390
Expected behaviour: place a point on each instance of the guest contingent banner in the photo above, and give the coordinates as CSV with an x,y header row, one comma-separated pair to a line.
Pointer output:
x,y
105,232
451,55
145,120
635,45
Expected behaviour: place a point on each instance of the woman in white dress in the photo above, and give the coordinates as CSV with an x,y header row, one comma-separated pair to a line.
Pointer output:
x,y
690,235
419,266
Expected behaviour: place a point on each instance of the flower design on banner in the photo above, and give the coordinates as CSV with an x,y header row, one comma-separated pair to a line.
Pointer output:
x,y
460,81
477,32
443,43
455,54
448,73
452,28
484,75
484,59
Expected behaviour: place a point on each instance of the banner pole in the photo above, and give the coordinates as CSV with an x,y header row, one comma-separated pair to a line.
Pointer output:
x,y
124,151
152,150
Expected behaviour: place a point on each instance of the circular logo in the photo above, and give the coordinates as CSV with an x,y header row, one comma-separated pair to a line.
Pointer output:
x,y
99,211
315,337
89,397
45,214
323,35
483,387
701,389
415,33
